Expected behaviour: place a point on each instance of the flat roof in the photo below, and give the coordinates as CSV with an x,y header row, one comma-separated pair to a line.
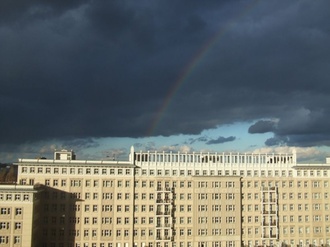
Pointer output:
x,y
75,162
19,188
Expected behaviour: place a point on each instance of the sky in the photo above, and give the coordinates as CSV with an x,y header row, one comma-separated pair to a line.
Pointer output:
x,y
217,76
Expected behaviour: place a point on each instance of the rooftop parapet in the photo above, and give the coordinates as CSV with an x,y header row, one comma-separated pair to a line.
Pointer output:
x,y
218,158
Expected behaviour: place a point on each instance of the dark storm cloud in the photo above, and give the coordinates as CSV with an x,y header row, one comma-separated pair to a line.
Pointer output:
x,y
210,141
198,139
262,126
20,10
275,141
80,143
300,127
220,140
84,69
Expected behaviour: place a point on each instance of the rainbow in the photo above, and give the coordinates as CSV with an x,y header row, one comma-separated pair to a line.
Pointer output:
x,y
194,62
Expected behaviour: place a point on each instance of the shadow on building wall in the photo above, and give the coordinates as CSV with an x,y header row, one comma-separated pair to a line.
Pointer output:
x,y
58,223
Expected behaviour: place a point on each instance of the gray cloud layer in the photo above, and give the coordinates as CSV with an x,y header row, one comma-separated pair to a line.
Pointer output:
x,y
80,69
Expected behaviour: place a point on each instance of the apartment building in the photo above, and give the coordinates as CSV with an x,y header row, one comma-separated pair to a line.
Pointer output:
x,y
19,215
160,199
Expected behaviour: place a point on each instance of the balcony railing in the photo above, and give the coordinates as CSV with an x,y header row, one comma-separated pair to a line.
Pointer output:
x,y
269,212
164,238
269,188
164,189
269,223
269,236
166,225
269,200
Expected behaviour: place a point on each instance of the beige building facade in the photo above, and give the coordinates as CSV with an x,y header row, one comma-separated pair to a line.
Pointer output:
x,y
19,215
160,199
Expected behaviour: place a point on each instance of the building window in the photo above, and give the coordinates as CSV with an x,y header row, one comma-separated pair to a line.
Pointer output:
x,y
230,231
17,239
230,207
55,182
4,225
63,182
18,211
317,218
75,183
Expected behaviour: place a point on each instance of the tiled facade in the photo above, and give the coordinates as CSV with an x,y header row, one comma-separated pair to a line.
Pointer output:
x,y
182,200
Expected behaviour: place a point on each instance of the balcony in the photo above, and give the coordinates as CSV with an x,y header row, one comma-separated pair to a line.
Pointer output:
x,y
269,188
166,225
167,189
269,200
269,212
164,238
273,236
273,223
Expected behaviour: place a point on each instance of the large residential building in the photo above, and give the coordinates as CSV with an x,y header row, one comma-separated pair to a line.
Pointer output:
x,y
19,215
159,199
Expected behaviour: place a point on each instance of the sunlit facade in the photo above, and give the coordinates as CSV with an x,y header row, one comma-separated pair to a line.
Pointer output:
x,y
160,199
19,215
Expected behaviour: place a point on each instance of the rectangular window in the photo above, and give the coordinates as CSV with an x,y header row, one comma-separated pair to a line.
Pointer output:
x,y
55,182
17,239
18,211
